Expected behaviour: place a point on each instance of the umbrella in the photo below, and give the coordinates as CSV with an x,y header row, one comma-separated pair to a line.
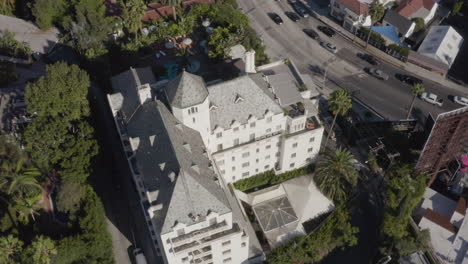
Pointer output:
x,y
206,23
209,30
187,41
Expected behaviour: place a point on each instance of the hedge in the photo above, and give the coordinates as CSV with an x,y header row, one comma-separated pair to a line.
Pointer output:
x,y
269,178
401,50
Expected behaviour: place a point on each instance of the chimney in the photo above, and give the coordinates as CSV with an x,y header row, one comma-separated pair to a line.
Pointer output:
x,y
144,93
250,62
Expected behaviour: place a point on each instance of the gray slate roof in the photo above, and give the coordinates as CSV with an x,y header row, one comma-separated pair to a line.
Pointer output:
x,y
400,22
166,146
255,100
186,90
127,83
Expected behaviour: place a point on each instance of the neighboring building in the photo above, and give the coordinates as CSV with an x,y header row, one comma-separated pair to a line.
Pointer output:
x,y
353,13
187,211
39,41
441,43
403,26
447,224
281,210
424,9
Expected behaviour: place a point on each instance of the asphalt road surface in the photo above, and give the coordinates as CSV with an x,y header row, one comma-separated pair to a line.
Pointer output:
x,y
389,98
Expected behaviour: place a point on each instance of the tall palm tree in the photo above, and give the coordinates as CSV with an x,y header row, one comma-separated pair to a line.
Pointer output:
x,y
11,247
21,181
340,103
173,4
27,206
133,11
416,90
376,12
335,175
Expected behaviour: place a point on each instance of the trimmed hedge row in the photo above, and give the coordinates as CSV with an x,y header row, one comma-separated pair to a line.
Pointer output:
x,y
269,178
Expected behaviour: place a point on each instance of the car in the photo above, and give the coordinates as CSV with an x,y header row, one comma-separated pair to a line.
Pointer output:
x,y
300,9
431,98
379,74
461,100
369,58
293,16
311,33
292,1
327,31
411,80
330,47
276,18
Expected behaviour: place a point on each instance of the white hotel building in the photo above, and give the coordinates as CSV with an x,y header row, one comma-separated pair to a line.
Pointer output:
x,y
173,131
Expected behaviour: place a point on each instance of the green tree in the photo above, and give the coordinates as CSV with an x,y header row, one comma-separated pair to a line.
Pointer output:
x,y
335,175
7,7
456,8
22,180
27,206
47,12
133,11
376,12
41,251
220,40
173,4
10,248
69,197
340,103
416,90
59,137
405,189
419,24
72,250
90,28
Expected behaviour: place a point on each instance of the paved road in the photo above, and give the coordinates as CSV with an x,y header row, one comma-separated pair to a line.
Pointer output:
x,y
390,98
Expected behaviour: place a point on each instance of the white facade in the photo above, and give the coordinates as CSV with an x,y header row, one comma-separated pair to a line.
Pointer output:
x,y
442,43
208,247
352,20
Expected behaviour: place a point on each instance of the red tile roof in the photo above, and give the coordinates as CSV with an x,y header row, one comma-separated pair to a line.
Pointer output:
x,y
461,206
440,220
409,7
355,6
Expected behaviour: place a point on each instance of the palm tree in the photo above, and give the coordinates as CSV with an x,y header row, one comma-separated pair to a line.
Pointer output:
x,y
26,206
340,103
335,175
173,4
42,250
10,154
376,12
11,247
133,11
416,90
22,181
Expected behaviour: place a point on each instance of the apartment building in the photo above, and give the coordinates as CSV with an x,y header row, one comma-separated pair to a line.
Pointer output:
x,y
253,123
187,211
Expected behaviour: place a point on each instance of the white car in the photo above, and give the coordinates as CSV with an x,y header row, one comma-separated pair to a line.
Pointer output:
x,y
461,100
330,47
432,99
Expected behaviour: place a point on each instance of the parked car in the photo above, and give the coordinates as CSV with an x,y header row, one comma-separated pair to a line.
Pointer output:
x,y
293,16
276,18
379,74
327,30
461,100
408,79
432,99
300,9
311,33
369,58
330,47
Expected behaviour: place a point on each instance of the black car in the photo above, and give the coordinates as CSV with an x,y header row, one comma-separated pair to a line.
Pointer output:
x,y
300,9
293,16
369,58
327,31
275,17
311,33
411,80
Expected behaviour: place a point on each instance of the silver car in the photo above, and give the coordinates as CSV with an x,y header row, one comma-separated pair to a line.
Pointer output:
x,y
379,74
330,47
461,100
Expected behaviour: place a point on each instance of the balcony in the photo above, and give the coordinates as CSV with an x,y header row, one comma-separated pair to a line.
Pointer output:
x,y
294,110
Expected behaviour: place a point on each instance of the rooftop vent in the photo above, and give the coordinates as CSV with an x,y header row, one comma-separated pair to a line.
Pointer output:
x,y
238,99
187,146
151,139
144,93
134,142
213,106
162,166
195,167
172,176
178,126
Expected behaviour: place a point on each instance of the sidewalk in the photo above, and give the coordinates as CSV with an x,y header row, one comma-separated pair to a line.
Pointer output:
x,y
416,70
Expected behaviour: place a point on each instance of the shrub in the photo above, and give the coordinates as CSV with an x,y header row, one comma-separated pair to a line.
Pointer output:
x,y
401,50
269,178
420,25
10,47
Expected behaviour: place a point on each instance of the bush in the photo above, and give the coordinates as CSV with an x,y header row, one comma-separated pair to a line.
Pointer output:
x,y
269,178
420,25
10,47
399,49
